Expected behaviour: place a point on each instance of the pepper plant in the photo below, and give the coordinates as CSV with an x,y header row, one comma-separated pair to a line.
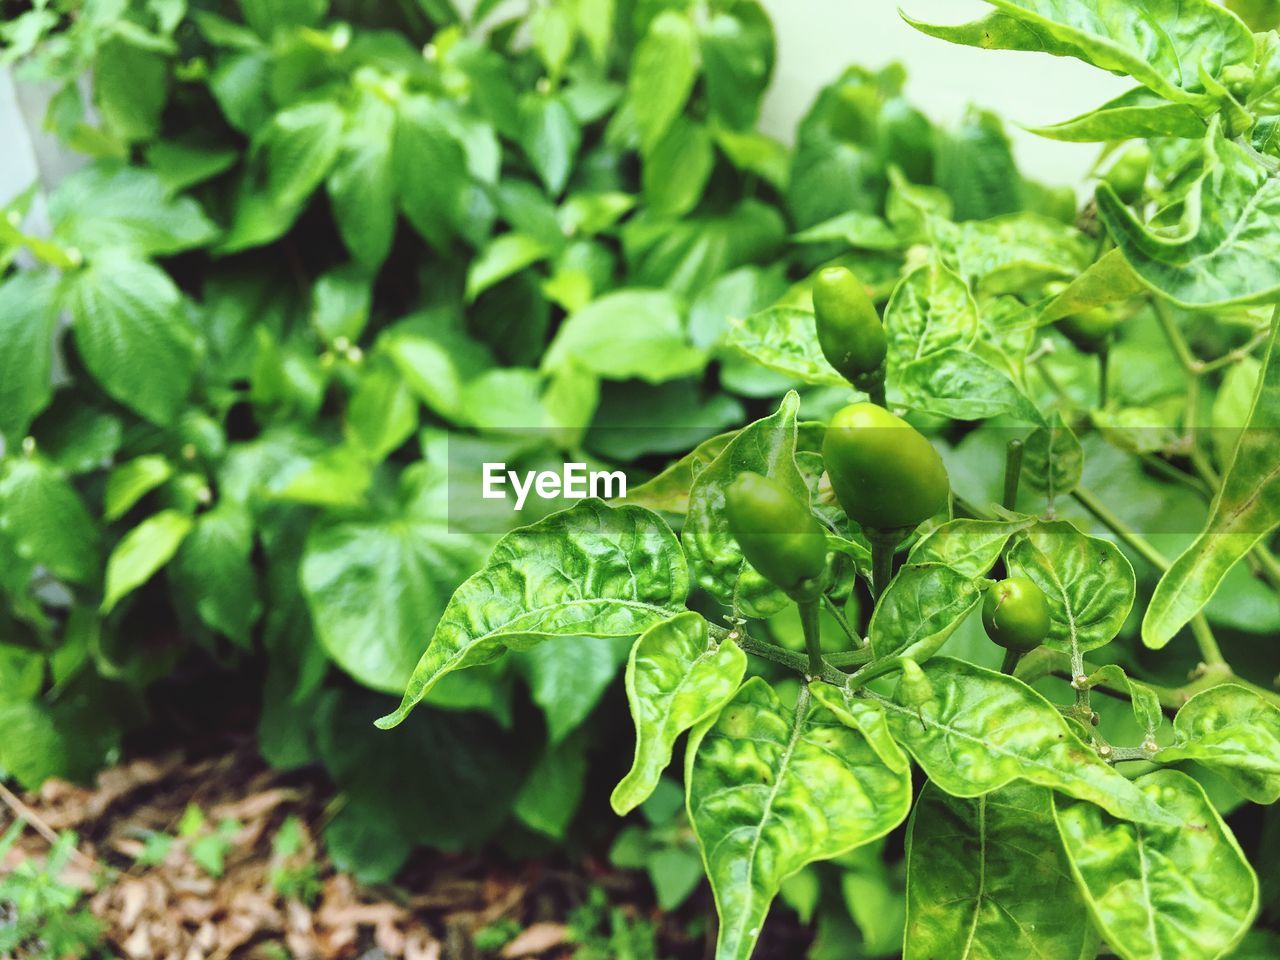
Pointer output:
x,y
1024,452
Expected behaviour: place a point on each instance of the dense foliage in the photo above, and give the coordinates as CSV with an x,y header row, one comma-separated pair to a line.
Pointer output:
x,y
330,257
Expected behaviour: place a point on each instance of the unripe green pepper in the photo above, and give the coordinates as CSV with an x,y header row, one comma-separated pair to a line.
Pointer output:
x,y
1015,614
1090,330
885,474
778,534
849,328
1128,175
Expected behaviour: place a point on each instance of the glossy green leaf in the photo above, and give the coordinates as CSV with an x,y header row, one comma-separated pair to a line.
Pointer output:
x,y
770,790
987,878
767,447
1235,733
785,340
1160,43
298,149
1133,115
930,311
430,169
1108,280
1159,893
27,323
566,679
737,54
1246,509
130,482
1088,582
678,167
592,570
550,136
1147,712
969,547
960,384
503,256
141,552
669,491
1224,248
984,730
382,414
131,329
676,677
1052,460
922,606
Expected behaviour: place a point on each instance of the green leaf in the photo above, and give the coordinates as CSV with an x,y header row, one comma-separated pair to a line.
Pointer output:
x,y
111,209
1052,459
986,877
214,569
551,795
130,88
676,678
377,585
502,257
180,164
362,183
1235,733
975,167
931,310
663,71
785,339
984,730
756,775
299,147
383,412
960,384
1147,712
550,136
430,169
1245,510
1088,583
27,323
1108,280
922,606
567,678
669,491
1136,114
131,481
767,447
855,228
1160,892
130,327
969,547
1224,249
628,334
141,552
737,59
1159,43
678,167
47,521
592,570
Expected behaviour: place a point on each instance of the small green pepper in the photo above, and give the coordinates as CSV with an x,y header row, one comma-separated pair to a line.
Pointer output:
x,y
849,328
778,534
884,472
1128,175
1015,614
914,688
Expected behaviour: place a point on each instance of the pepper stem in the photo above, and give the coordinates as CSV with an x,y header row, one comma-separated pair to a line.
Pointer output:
x,y
1012,473
809,610
883,547
1011,658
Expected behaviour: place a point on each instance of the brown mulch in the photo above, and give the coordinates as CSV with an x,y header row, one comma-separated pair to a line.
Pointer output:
x,y
175,910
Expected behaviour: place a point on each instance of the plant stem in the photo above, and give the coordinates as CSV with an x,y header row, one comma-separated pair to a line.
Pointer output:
x,y
850,658
883,546
1012,473
812,635
798,662
1104,377
1011,658
1189,361
838,616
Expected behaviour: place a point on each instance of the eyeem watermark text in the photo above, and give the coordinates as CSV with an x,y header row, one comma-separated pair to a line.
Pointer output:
x,y
573,482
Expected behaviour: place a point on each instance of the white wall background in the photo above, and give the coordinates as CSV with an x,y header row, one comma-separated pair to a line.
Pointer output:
x,y
817,39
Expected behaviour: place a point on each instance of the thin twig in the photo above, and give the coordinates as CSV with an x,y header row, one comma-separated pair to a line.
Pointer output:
x,y
22,812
